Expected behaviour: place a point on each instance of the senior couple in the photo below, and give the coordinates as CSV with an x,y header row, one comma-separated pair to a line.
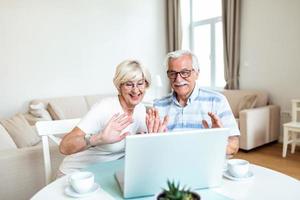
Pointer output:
x,y
100,135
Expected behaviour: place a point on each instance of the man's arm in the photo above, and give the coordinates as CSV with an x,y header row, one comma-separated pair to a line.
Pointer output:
x,y
233,145
233,141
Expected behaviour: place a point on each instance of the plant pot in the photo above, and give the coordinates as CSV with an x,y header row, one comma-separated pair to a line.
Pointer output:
x,y
162,195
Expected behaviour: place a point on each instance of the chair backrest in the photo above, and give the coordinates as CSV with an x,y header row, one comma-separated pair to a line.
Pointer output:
x,y
296,110
236,98
49,129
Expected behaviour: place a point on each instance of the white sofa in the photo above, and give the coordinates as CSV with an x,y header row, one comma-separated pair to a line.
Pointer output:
x,y
22,167
258,119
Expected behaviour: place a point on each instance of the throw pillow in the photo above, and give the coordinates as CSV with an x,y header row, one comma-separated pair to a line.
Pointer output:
x,y
55,112
67,107
39,111
20,131
5,140
247,102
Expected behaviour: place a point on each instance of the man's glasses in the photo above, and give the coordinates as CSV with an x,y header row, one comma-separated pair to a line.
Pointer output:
x,y
129,85
184,73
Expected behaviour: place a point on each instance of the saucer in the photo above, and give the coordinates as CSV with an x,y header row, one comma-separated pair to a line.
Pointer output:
x,y
72,193
248,176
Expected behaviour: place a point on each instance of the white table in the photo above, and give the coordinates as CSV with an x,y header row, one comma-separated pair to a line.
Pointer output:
x,y
266,184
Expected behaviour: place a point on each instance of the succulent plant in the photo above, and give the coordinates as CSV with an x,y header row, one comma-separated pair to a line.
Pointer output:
x,y
174,192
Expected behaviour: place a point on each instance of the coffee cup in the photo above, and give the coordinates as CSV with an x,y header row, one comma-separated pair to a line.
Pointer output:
x,y
238,168
82,182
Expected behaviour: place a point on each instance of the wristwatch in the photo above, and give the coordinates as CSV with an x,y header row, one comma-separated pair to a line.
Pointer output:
x,y
87,139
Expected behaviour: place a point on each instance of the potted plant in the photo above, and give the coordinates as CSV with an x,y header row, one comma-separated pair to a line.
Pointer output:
x,y
174,192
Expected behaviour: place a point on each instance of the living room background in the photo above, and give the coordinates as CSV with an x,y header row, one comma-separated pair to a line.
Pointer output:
x,y
63,48
270,47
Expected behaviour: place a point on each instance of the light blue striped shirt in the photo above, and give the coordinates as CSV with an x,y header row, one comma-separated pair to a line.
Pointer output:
x,y
198,105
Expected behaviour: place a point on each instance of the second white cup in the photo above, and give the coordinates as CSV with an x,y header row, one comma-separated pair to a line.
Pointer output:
x,y
82,182
238,168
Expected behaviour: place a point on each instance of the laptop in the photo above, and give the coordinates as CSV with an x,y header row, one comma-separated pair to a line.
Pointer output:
x,y
193,158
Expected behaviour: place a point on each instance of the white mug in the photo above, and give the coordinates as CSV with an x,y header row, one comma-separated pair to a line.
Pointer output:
x,y
82,182
238,168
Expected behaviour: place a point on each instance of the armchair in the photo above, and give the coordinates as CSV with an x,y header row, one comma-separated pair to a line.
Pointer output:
x,y
258,121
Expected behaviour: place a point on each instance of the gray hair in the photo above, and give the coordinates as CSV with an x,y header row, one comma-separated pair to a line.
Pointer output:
x,y
131,70
178,54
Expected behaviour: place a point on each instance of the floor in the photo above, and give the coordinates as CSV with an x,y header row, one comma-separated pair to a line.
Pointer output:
x,y
270,156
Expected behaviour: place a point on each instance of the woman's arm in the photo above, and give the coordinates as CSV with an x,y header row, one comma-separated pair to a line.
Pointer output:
x,y
75,141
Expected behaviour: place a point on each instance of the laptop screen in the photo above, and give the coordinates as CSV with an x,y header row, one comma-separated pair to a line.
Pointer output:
x,y
193,158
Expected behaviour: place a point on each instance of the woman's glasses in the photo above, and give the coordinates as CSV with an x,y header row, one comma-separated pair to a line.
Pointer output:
x,y
184,73
129,85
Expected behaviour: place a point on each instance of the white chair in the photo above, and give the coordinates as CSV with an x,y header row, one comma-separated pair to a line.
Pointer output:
x,y
292,129
47,129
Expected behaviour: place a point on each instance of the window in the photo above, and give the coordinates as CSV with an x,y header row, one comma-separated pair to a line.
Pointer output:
x,y
202,33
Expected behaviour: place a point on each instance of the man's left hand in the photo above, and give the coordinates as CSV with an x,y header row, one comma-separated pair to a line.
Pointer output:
x,y
233,141
215,121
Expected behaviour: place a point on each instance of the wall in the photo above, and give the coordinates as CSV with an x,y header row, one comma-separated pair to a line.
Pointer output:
x,y
54,48
270,48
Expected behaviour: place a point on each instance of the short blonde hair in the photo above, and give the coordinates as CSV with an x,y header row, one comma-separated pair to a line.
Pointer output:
x,y
131,70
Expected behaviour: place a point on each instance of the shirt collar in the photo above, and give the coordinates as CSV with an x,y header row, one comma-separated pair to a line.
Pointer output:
x,y
195,93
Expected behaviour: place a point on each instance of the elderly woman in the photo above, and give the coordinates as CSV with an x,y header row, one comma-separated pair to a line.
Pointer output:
x,y
99,136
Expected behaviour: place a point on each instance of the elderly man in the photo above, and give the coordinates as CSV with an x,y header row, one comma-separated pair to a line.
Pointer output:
x,y
189,106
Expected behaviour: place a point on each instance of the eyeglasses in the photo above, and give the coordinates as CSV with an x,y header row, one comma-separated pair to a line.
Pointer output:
x,y
129,85
184,73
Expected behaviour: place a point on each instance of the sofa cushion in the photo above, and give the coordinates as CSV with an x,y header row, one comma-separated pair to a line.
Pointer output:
x,y
39,111
67,107
247,102
55,111
5,140
33,119
20,131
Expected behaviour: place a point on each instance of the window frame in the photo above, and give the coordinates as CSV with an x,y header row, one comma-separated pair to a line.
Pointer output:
x,y
212,23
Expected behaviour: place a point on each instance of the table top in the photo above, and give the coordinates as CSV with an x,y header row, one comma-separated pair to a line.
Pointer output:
x,y
266,184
